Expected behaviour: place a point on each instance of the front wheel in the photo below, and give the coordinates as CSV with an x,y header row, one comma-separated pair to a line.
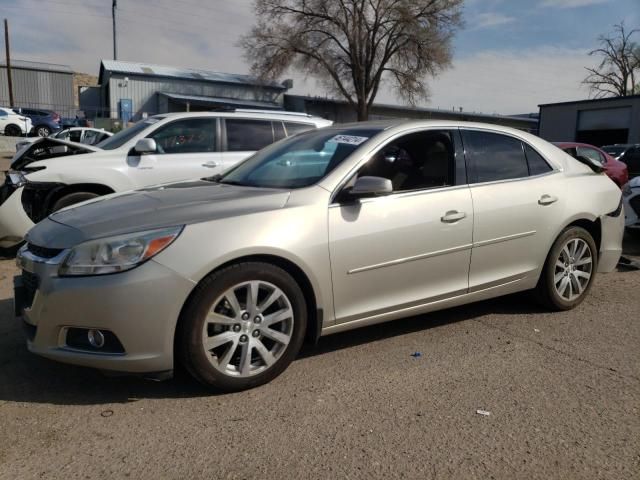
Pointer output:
x,y
72,199
569,270
43,131
243,326
12,131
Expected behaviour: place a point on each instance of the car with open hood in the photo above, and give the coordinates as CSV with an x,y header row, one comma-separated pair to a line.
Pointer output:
x,y
164,148
326,231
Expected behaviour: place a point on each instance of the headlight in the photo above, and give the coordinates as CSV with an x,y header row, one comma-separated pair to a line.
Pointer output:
x,y
117,254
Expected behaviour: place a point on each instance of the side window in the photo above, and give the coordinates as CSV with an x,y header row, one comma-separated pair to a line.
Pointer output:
x,y
3,113
90,137
248,135
63,135
537,164
495,156
590,153
415,161
278,131
191,135
75,136
294,128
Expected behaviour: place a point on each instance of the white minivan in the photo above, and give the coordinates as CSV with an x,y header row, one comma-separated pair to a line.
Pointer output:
x,y
164,148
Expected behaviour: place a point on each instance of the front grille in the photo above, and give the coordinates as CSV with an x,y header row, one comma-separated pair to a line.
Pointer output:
x,y
43,252
30,282
635,204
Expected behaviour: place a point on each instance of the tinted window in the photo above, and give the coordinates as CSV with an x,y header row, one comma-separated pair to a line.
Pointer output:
x,y
293,128
190,135
415,161
75,136
248,135
3,113
278,131
495,156
590,153
537,164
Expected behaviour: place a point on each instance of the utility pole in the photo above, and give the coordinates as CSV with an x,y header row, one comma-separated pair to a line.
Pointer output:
x,y
8,56
114,5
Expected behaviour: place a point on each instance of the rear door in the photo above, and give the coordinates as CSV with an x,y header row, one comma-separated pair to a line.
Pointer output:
x,y
187,148
516,198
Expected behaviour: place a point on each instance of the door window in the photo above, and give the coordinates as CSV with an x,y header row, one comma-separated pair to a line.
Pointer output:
x,y
495,156
191,135
415,161
248,135
75,136
3,113
537,164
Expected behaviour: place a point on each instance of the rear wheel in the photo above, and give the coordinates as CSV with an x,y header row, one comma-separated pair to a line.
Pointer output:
x,y
569,270
43,131
12,131
242,328
71,199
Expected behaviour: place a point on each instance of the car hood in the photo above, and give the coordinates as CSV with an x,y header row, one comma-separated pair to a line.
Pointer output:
x,y
37,150
156,207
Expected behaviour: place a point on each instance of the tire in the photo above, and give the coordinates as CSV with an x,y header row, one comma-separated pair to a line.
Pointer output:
x,y
72,199
563,284
231,333
43,131
12,131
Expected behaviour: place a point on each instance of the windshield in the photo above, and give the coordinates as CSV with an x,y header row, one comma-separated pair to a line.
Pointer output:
x,y
299,161
615,151
123,136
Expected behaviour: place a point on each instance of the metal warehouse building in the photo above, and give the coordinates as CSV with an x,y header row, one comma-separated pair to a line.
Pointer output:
x,y
598,122
131,90
339,111
38,85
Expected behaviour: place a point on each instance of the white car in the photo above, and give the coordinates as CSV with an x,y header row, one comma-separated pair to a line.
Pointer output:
x,y
13,124
86,135
631,199
46,177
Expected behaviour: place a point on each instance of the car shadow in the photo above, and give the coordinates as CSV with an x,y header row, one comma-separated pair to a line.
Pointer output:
x,y
28,378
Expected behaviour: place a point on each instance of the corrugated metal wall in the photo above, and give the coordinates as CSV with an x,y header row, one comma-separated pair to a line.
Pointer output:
x,y
38,89
143,92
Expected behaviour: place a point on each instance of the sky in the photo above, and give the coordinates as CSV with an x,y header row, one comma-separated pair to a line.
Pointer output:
x,y
511,56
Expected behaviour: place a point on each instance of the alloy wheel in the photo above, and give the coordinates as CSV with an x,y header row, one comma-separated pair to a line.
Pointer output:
x,y
248,328
573,269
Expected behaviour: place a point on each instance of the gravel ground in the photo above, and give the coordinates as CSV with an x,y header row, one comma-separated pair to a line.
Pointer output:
x,y
562,389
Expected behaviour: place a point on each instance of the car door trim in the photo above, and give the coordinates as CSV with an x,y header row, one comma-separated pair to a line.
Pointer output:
x,y
399,261
506,238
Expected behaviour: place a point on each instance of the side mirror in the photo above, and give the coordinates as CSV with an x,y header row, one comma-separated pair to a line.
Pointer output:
x,y
371,187
146,145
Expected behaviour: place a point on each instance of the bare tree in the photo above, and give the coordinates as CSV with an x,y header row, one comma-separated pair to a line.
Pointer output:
x,y
352,46
620,65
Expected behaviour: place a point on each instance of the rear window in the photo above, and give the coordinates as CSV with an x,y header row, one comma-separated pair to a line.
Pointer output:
x,y
244,135
495,156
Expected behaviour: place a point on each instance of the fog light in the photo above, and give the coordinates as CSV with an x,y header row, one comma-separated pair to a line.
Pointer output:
x,y
96,338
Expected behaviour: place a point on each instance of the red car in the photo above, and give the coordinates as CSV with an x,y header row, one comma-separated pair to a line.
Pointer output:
x,y
616,170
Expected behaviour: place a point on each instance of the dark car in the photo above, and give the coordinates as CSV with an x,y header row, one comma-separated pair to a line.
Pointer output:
x,y
627,153
617,171
44,121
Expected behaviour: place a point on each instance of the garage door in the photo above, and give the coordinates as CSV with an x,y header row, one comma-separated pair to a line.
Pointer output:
x,y
604,126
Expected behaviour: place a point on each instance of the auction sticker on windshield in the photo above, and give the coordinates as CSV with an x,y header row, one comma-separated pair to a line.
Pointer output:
x,y
349,139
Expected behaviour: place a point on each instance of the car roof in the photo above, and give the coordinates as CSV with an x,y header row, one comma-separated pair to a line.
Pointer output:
x,y
249,114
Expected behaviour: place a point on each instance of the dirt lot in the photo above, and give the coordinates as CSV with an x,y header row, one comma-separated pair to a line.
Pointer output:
x,y
562,389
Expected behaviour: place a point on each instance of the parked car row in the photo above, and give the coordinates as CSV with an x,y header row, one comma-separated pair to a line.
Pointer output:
x,y
323,231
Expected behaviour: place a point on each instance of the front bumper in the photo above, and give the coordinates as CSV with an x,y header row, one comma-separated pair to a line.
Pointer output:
x,y
140,307
14,222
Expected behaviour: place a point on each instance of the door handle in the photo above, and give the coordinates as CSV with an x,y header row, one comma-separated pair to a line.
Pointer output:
x,y
547,199
452,216
210,164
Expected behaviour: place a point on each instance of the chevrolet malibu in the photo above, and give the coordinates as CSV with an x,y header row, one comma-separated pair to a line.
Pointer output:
x,y
323,232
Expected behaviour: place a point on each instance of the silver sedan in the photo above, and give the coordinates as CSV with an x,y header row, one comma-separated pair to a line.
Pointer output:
x,y
323,232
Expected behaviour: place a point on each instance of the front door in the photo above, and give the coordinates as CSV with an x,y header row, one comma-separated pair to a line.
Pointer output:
x,y
187,149
408,248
